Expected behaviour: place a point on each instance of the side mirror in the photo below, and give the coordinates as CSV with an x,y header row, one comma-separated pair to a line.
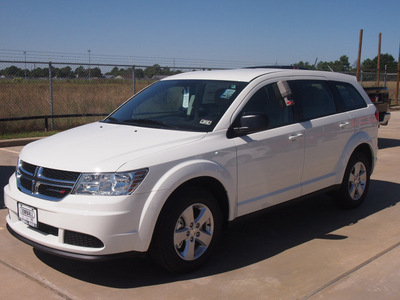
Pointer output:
x,y
249,123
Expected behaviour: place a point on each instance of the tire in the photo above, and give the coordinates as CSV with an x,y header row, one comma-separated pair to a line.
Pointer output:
x,y
354,187
187,231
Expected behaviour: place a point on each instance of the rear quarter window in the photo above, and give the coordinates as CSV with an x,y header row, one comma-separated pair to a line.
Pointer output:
x,y
346,96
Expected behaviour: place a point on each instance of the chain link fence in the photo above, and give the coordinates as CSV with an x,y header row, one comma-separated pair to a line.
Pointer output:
x,y
38,96
387,79
384,77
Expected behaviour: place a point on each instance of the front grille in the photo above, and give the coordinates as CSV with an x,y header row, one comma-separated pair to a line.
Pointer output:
x,y
28,167
81,239
60,175
45,183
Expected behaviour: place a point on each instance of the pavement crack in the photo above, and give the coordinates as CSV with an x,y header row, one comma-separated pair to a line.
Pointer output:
x,y
333,281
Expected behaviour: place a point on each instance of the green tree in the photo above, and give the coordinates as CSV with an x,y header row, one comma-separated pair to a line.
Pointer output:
x,y
368,64
139,73
13,71
305,65
115,72
39,72
126,73
156,69
65,72
94,72
341,65
149,72
324,66
386,60
79,71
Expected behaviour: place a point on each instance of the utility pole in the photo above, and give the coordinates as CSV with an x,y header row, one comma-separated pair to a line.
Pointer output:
x,y
398,79
359,55
378,75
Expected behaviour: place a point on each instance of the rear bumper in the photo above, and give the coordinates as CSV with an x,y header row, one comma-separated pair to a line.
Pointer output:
x,y
384,118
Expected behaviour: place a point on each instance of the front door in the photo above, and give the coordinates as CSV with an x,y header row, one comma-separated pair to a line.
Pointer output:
x,y
270,162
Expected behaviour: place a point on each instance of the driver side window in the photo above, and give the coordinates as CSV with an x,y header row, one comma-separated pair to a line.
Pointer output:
x,y
268,100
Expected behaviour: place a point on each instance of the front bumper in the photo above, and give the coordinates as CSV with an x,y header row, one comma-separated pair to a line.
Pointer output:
x,y
83,257
80,227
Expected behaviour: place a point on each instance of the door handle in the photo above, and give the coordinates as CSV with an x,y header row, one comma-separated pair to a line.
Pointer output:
x,y
295,136
344,124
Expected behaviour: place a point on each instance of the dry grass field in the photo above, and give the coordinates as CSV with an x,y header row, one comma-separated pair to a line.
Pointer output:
x,y
25,98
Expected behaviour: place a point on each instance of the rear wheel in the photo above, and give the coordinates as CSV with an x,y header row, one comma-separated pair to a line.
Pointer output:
x,y
187,231
355,183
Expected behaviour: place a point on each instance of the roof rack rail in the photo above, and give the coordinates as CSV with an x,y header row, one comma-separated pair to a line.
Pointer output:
x,y
288,67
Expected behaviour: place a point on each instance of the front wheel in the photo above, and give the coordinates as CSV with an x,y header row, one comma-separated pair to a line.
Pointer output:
x,y
355,183
187,231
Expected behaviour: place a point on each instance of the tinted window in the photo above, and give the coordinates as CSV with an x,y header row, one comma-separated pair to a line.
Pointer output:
x,y
313,99
268,100
347,97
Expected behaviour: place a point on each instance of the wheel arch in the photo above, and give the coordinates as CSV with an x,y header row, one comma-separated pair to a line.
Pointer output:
x,y
212,185
359,143
367,151
201,173
355,184
197,191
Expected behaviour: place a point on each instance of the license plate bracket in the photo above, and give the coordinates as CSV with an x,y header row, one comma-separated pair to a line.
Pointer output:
x,y
28,214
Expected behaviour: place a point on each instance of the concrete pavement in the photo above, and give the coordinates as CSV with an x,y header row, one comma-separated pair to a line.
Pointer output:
x,y
306,250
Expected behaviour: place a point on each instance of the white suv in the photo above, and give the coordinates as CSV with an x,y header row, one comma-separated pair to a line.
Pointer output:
x,y
169,167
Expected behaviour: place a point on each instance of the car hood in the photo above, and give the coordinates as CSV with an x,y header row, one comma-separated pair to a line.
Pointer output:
x,y
102,147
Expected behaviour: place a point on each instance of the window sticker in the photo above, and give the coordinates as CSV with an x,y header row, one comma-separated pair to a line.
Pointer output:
x,y
227,94
205,122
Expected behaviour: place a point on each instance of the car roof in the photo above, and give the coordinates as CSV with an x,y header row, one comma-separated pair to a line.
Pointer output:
x,y
249,74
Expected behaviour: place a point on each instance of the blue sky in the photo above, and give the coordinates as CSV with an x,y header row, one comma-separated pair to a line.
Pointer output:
x,y
266,32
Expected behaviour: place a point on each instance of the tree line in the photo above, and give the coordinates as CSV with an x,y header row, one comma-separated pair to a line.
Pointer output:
x,y
387,62
82,72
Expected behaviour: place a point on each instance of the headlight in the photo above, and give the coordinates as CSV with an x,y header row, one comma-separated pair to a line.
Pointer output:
x,y
109,184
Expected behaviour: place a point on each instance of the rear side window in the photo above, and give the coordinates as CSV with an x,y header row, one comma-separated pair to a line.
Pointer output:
x,y
312,98
346,96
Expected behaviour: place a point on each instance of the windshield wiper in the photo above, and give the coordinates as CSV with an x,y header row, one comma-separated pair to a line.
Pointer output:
x,y
110,120
149,122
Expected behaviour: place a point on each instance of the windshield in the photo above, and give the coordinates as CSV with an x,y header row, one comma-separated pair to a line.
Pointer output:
x,y
192,105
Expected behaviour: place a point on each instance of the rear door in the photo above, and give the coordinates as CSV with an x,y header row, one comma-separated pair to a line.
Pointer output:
x,y
327,131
